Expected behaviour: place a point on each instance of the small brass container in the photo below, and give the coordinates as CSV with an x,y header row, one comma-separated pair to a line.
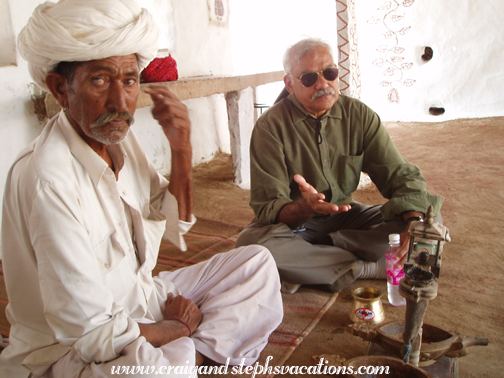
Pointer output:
x,y
367,306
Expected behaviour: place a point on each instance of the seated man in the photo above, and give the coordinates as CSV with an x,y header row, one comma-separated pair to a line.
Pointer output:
x,y
307,153
85,211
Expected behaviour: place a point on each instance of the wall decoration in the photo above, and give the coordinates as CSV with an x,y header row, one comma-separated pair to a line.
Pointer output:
x,y
391,20
218,11
348,61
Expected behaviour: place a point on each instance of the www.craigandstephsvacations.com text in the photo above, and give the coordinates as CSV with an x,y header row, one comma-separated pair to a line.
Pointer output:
x,y
256,369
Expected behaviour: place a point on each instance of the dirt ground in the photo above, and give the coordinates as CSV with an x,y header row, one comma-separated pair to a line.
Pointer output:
x,y
463,161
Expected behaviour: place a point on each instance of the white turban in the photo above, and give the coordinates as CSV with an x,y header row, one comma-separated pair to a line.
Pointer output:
x,y
84,30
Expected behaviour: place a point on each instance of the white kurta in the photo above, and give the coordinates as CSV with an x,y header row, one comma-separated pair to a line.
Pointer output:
x,y
78,283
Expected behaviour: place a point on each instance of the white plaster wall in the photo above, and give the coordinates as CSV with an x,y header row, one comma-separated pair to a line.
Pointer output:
x,y
19,125
201,47
465,75
163,14
263,29
8,51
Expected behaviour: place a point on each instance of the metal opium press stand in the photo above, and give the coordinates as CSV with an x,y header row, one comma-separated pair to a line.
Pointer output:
x,y
419,286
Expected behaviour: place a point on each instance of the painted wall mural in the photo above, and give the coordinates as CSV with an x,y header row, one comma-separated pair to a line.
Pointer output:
x,y
390,23
218,12
348,60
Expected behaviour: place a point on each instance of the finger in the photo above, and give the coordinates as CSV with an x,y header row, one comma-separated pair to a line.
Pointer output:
x,y
300,180
344,208
325,208
158,98
402,254
166,102
163,99
340,209
167,105
316,198
400,263
303,185
159,90
171,111
169,299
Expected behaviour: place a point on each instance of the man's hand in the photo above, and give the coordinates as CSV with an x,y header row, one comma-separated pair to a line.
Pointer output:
x,y
315,200
402,254
309,204
172,115
184,310
181,318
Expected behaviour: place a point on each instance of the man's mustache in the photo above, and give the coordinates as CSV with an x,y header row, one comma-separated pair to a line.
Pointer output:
x,y
323,92
110,116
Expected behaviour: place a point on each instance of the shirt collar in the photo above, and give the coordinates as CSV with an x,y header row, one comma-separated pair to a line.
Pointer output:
x,y
94,165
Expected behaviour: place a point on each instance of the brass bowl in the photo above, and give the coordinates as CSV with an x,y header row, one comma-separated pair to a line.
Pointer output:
x,y
367,306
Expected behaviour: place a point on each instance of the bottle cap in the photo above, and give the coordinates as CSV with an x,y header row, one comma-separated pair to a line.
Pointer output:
x,y
394,238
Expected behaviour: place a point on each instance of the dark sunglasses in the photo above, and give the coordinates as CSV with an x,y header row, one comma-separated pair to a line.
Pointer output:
x,y
310,78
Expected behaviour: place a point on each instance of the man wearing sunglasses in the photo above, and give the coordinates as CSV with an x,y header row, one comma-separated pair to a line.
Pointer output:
x,y
307,153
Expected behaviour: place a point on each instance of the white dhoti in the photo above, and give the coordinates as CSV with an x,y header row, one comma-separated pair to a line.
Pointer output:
x,y
238,293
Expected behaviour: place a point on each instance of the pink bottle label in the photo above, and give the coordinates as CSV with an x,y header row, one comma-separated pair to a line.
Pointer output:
x,y
394,276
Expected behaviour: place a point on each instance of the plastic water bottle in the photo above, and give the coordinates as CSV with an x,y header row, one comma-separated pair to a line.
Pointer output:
x,y
394,274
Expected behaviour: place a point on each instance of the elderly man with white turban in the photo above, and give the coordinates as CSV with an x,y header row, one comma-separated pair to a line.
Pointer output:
x,y
85,211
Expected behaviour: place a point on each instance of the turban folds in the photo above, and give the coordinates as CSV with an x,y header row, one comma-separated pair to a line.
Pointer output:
x,y
84,30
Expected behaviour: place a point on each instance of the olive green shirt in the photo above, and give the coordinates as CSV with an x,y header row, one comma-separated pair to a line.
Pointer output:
x,y
285,142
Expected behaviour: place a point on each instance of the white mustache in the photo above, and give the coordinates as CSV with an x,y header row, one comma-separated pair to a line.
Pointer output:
x,y
323,92
110,116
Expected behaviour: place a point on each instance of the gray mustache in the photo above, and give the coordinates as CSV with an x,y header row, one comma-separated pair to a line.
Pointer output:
x,y
323,92
110,116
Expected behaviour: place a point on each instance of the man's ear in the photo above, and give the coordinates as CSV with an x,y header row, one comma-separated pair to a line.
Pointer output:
x,y
288,83
57,84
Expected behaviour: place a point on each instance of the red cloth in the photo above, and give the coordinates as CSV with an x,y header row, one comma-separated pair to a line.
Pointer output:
x,y
159,70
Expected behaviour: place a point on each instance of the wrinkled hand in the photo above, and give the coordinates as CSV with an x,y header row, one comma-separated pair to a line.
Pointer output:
x,y
172,115
184,309
402,254
315,200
